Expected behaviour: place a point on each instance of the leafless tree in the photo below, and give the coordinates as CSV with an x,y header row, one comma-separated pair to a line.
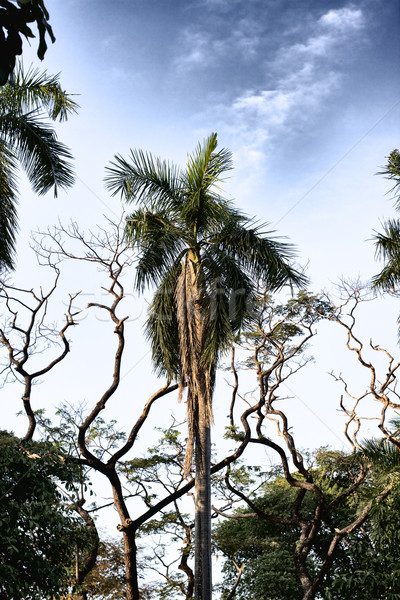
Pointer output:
x,y
380,368
108,252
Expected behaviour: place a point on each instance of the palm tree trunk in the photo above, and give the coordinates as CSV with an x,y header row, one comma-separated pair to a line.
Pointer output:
x,y
203,571
200,378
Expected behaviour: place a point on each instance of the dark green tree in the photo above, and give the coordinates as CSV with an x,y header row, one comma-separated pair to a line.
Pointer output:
x,y
365,565
27,140
39,533
207,260
15,19
264,548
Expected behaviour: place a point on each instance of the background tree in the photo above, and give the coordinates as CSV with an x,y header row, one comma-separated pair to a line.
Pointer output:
x,y
39,532
107,580
15,19
147,489
27,333
276,343
363,567
207,260
380,368
26,139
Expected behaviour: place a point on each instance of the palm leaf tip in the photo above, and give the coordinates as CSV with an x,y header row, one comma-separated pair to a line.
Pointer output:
x,y
35,90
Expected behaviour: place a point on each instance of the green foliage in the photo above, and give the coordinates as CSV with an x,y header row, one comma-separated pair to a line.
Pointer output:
x,y
366,563
278,327
14,18
371,570
102,437
266,548
159,470
387,244
107,579
392,171
39,534
26,139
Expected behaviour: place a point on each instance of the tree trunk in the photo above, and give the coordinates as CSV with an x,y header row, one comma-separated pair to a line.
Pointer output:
x,y
193,317
130,552
203,571
129,537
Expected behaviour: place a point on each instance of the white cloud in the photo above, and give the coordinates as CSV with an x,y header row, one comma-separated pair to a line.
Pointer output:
x,y
329,33
315,46
303,78
195,49
273,108
200,48
343,19
306,77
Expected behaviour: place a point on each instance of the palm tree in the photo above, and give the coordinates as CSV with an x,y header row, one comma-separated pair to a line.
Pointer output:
x,y
27,140
207,260
387,244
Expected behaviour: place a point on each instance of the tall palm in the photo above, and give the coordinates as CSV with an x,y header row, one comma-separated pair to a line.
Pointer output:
x,y
207,260
387,244
29,141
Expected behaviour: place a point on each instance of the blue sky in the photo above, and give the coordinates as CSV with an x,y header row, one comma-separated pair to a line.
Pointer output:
x,y
290,87
306,93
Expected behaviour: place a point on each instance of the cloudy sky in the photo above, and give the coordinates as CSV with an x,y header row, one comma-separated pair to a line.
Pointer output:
x,y
306,93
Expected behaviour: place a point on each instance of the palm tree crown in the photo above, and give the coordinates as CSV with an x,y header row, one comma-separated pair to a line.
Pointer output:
x,y
27,140
185,232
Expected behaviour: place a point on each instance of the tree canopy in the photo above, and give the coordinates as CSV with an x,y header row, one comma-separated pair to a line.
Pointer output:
x,y
365,565
39,533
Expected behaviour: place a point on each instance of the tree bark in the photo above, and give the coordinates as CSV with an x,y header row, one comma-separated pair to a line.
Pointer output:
x,y
130,552
203,570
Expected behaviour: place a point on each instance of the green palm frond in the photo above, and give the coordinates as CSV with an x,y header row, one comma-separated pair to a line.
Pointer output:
x,y
144,228
266,259
205,167
219,326
387,247
29,141
382,453
145,179
388,280
387,244
159,242
224,272
161,325
395,422
392,171
8,205
207,215
35,90
42,156
201,182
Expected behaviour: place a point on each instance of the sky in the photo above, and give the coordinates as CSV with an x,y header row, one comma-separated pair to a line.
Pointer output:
x,y
305,93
